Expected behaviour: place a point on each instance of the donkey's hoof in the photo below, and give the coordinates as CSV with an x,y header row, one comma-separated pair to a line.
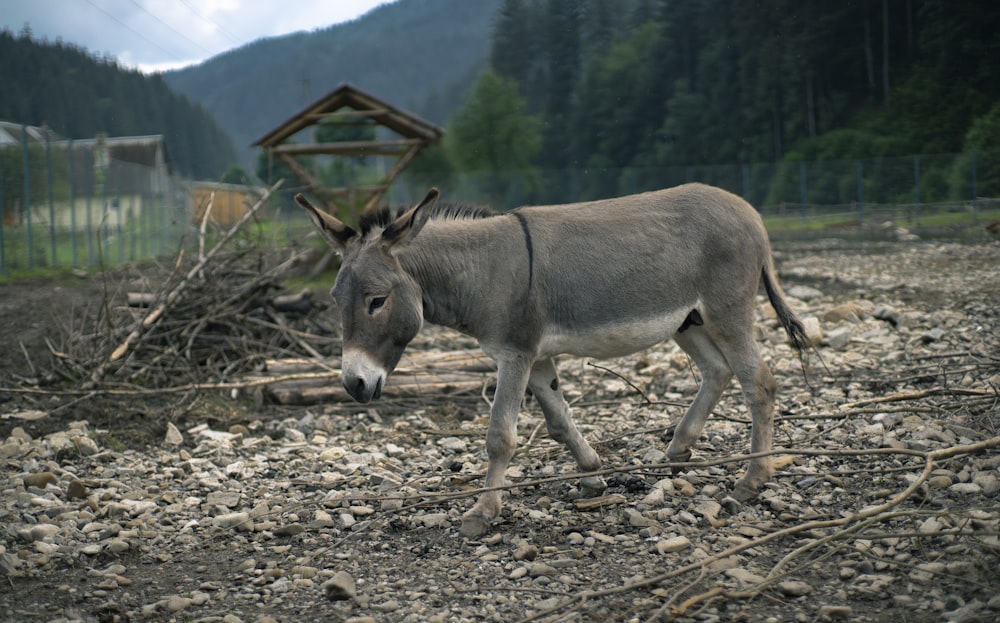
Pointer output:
x,y
682,457
474,527
592,486
743,492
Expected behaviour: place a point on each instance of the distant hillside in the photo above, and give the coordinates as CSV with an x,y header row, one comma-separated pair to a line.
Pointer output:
x,y
78,95
420,55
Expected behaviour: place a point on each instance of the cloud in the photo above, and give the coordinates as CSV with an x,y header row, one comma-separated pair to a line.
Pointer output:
x,y
155,35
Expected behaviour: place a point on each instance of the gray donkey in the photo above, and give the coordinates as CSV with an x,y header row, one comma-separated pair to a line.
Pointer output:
x,y
598,279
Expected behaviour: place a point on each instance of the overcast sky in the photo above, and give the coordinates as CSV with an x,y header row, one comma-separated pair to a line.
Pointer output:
x,y
157,35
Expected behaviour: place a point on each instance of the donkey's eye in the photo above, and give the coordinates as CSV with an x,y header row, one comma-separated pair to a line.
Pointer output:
x,y
376,304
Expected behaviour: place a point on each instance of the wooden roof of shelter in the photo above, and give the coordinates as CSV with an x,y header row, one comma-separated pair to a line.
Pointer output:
x,y
350,104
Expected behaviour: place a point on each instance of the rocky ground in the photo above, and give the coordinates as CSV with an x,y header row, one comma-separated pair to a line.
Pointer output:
x,y
884,507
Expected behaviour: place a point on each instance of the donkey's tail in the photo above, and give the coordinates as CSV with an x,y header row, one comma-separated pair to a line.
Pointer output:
x,y
793,326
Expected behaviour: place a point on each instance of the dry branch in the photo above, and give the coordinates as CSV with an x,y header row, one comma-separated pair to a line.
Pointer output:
x,y
154,316
934,391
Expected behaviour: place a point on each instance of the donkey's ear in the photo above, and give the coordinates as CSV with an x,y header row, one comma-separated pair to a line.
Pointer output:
x,y
336,233
409,224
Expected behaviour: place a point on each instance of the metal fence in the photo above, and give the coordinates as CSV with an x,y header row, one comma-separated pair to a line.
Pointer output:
x,y
68,205
941,196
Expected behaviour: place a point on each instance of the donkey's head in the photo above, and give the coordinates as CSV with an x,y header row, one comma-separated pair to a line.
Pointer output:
x,y
380,303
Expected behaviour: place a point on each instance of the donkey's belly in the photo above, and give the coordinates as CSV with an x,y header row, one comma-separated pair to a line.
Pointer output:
x,y
616,338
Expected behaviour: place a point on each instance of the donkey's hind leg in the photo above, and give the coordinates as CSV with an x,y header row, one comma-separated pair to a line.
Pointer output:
x,y
715,376
544,385
759,388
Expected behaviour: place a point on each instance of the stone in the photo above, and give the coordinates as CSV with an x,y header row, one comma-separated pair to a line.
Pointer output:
x,y
888,314
288,530
804,293
684,487
39,532
239,521
76,490
988,482
672,545
744,577
965,488
540,569
40,479
525,551
434,520
85,445
839,338
933,335
229,499
849,312
340,587
176,603
969,613
638,520
173,436
814,332
835,613
794,588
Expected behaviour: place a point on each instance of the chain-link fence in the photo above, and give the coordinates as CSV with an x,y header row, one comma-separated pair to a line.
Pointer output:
x,y
950,196
85,204
96,203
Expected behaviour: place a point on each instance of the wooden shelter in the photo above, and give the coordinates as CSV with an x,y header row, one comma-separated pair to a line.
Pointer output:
x,y
229,201
348,104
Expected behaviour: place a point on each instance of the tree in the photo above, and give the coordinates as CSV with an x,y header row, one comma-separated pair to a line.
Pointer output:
x,y
494,133
982,142
236,175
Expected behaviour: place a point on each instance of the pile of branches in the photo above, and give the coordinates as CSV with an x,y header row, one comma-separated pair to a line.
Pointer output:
x,y
205,320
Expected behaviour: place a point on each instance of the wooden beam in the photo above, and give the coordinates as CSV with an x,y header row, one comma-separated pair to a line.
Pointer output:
x,y
393,172
343,190
340,114
352,148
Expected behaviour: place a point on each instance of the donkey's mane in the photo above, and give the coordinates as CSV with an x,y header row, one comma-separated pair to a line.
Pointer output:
x,y
381,217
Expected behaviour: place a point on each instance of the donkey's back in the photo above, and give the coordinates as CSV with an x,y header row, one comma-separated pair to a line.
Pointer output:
x,y
618,275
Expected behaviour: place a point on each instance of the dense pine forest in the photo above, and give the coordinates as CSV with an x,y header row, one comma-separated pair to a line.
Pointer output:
x,y
658,83
78,95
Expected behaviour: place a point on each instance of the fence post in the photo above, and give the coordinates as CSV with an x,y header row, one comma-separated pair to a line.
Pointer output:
x,y
52,205
861,196
91,260
72,201
975,190
746,181
916,189
803,189
27,195
3,213
121,210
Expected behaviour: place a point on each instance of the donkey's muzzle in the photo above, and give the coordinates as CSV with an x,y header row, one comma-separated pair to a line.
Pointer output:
x,y
362,391
362,376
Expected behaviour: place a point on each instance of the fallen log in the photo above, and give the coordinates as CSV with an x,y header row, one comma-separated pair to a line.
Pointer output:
x,y
419,373
308,393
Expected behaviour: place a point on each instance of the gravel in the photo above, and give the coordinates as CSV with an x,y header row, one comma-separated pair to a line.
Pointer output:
x,y
339,513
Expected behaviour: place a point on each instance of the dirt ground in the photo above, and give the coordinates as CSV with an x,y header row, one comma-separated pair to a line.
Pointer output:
x,y
924,330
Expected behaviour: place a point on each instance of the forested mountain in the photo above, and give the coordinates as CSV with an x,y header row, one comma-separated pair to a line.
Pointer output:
x,y
616,89
80,96
421,55
655,83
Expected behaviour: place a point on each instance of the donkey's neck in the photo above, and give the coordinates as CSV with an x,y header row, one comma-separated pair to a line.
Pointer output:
x,y
469,271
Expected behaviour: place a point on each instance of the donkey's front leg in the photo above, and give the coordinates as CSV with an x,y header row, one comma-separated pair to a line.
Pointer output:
x,y
544,385
501,440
